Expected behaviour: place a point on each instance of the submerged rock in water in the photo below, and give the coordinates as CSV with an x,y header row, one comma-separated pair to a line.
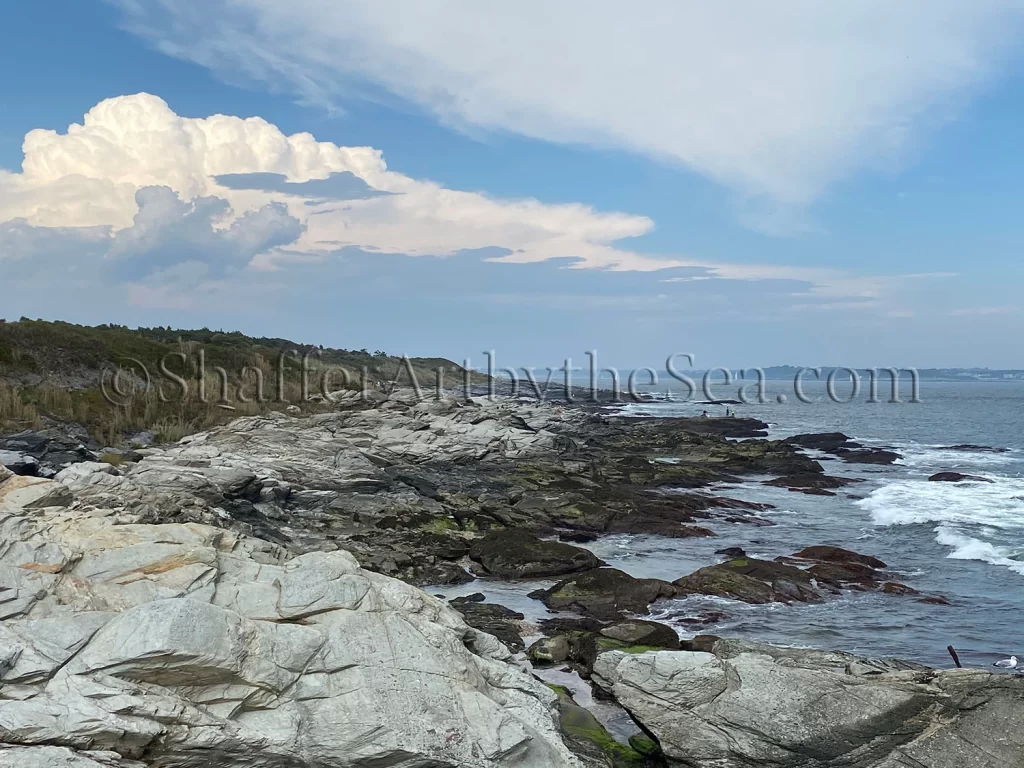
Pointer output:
x,y
957,477
745,704
971,448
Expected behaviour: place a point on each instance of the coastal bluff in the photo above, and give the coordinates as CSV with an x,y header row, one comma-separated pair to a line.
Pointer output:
x,y
249,596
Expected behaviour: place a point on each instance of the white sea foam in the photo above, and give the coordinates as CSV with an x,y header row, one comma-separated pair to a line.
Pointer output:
x,y
926,456
968,548
992,510
999,504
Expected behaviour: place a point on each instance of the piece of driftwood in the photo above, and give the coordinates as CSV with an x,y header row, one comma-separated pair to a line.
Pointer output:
x,y
956,659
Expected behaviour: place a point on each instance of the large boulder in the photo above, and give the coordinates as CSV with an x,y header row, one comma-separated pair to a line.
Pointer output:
x,y
604,593
515,554
746,705
125,645
842,446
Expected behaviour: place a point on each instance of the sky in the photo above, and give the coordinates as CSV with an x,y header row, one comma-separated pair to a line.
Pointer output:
x,y
759,184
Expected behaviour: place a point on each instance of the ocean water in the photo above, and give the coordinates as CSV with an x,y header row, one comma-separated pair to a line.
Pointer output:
x,y
964,541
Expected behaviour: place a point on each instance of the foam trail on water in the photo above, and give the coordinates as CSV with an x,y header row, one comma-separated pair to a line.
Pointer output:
x,y
968,548
964,514
997,504
928,457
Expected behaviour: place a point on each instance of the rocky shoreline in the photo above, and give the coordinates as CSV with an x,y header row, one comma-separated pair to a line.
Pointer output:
x,y
248,596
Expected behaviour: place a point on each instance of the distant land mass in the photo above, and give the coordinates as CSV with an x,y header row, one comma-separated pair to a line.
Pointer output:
x,y
789,372
580,375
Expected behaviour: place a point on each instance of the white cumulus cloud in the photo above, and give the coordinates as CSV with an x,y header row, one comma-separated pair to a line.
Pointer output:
x,y
774,99
90,176
159,200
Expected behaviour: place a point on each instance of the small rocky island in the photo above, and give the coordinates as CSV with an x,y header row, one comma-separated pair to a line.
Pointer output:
x,y
251,596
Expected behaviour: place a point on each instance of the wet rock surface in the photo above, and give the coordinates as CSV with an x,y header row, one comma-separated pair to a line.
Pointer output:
x,y
840,445
812,483
957,477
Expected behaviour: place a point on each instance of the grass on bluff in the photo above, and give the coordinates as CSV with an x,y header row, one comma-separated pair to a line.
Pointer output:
x,y
59,371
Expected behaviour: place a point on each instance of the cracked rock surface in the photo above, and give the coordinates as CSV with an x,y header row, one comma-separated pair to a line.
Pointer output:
x,y
746,704
134,645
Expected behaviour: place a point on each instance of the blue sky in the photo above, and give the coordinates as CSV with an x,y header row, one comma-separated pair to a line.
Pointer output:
x,y
761,188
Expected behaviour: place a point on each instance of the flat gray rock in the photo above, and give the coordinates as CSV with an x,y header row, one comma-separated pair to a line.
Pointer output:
x,y
748,704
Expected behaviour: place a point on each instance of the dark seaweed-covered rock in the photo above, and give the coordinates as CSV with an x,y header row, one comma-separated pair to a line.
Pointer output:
x,y
867,455
578,537
604,593
895,588
846,575
731,552
836,568
829,554
806,482
513,554
957,477
492,618
640,632
825,441
974,448
842,446
586,737
751,581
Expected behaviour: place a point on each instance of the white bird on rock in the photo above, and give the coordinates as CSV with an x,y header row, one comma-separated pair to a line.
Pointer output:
x,y
1010,663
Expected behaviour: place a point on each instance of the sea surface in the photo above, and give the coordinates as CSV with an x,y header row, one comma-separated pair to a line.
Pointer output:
x,y
962,541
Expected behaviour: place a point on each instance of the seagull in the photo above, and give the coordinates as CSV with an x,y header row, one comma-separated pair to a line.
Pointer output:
x,y
1010,663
